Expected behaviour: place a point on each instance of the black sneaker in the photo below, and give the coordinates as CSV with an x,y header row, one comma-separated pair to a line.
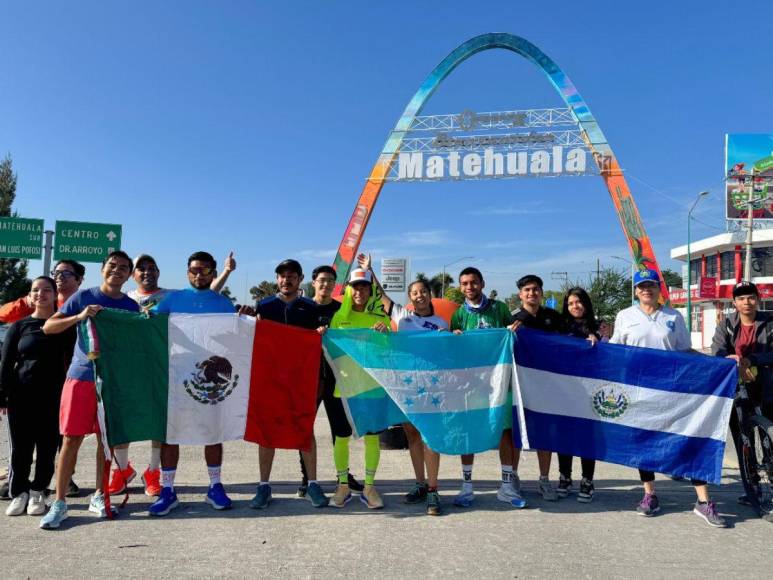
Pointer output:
x,y
72,490
5,491
417,494
355,485
586,491
433,504
564,486
303,488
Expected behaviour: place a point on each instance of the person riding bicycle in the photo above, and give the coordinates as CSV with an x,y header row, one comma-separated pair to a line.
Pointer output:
x,y
746,336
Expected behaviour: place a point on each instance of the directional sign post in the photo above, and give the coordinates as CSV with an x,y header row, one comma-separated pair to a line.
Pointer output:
x,y
21,238
86,242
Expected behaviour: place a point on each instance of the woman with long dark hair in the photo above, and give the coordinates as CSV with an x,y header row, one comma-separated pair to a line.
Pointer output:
x,y
579,321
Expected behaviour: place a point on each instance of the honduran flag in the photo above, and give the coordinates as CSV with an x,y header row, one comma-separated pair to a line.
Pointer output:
x,y
659,411
452,388
201,379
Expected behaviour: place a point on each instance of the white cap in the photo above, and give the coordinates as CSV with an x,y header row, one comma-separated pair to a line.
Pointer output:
x,y
360,275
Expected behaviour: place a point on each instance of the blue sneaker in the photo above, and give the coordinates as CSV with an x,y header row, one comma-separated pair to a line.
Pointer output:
x,y
262,497
97,506
165,503
465,497
316,495
217,498
55,516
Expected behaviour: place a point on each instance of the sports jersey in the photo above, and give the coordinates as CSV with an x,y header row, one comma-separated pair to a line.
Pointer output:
x,y
664,329
149,300
81,368
493,314
546,319
301,312
193,300
408,321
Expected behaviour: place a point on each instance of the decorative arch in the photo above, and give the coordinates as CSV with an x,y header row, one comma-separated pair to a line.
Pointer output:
x,y
630,220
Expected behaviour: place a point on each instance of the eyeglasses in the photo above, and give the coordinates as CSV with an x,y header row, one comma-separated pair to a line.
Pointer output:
x,y
146,269
322,281
200,271
647,285
62,274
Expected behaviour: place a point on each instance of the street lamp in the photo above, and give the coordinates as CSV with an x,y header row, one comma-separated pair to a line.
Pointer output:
x,y
701,195
443,283
631,262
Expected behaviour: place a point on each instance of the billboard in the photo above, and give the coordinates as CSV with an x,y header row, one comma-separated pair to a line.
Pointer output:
x,y
749,170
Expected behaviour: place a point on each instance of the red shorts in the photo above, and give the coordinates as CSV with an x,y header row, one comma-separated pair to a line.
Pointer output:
x,y
78,410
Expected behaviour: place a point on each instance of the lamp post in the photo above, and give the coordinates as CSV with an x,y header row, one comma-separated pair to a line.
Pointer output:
x,y
633,291
443,283
701,195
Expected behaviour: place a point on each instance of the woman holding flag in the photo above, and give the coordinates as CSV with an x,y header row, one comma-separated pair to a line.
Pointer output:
x,y
361,308
421,319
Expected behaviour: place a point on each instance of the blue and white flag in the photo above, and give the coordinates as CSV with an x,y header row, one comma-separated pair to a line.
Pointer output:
x,y
452,388
660,411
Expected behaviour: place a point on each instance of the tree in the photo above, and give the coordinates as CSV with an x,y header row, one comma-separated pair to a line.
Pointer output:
x,y
13,273
609,292
435,283
672,279
227,293
263,290
513,301
454,295
558,295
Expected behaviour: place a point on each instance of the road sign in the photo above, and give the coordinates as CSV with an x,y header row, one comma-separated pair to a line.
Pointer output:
x,y
21,238
551,303
85,242
394,272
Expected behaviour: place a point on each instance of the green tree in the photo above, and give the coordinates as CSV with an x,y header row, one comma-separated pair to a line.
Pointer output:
x,y
672,279
227,293
609,292
263,290
435,283
454,295
13,273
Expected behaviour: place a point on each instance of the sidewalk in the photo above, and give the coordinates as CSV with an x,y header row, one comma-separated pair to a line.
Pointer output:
x,y
292,539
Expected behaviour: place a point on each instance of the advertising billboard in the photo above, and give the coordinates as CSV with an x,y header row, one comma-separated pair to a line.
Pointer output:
x,y
749,170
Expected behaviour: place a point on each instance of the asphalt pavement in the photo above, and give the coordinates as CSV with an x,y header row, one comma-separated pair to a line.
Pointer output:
x,y
603,539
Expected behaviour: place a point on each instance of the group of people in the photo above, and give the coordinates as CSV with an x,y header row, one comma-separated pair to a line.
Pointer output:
x,y
47,382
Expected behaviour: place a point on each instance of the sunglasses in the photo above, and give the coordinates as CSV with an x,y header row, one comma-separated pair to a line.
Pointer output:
x,y
200,271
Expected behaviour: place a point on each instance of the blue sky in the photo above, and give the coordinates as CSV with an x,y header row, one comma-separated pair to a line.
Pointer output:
x,y
251,126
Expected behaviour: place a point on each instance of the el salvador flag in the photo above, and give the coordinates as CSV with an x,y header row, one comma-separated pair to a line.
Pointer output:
x,y
657,410
452,388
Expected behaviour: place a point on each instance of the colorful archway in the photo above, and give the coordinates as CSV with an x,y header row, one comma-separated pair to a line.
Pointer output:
x,y
638,241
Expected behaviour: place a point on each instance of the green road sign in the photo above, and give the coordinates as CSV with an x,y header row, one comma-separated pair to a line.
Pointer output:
x,y
21,238
85,242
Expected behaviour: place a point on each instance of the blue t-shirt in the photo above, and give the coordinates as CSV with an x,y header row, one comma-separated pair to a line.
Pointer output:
x,y
193,301
81,367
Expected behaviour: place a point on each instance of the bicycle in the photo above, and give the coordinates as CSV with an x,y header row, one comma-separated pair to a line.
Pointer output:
x,y
754,446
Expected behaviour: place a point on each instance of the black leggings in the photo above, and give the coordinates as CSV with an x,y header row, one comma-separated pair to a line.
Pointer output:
x,y
565,466
647,476
32,431
336,417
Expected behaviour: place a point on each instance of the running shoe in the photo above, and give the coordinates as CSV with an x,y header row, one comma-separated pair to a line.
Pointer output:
x,y
217,498
648,506
507,494
165,503
303,488
355,485
417,494
317,496
121,478
72,490
547,490
55,516
97,506
342,496
18,505
371,498
515,482
151,478
708,511
586,491
262,497
433,504
37,504
465,496
564,486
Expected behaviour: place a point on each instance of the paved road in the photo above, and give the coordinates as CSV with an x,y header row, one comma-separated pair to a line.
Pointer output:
x,y
291,539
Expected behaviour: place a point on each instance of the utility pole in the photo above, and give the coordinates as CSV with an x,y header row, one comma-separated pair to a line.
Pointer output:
x,y
747,267
47,247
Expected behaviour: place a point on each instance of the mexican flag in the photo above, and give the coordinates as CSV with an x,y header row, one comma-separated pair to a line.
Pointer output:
x,y
200,379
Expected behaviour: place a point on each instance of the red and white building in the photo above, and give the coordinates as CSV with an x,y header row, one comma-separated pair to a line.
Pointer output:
x,y
716,265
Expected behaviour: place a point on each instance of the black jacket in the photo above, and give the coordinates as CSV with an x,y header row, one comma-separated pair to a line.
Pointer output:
x,y
724,344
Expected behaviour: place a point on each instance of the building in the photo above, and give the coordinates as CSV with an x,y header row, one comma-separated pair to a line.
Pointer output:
x,y
716,265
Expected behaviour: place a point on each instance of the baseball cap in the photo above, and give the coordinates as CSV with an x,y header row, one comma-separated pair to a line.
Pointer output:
x,y
292,265
360,275
529,279
744,288
144,258
646,275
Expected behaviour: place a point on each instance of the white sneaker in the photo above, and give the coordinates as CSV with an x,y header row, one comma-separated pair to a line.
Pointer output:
x,y
507,494
18,505
37,504
515,482
97,506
